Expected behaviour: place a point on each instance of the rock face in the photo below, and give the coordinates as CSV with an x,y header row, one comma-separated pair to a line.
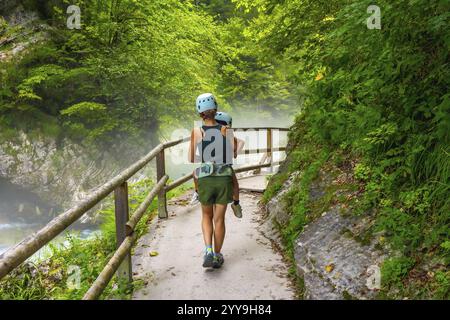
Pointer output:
x,y
6,6
333,263
60,175
27,30
15,13
277,214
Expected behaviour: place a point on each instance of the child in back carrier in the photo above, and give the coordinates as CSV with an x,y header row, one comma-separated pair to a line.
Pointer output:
x,y
225,120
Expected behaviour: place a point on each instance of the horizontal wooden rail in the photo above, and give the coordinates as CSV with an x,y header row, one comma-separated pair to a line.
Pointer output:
x,y
111,267
189,176
179,181
169,144
253,167
261,128
137,215
256,151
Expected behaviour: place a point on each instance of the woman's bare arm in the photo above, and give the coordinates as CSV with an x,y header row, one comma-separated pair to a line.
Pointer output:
x,y
192,144
238,146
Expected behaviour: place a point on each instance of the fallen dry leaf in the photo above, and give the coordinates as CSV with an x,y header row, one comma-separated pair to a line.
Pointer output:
x,y
153,254
329,267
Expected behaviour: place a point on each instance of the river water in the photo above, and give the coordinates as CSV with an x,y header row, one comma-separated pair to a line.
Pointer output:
x,y
22,213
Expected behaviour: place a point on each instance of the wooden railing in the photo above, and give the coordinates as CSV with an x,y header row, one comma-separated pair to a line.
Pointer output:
x,y
120,262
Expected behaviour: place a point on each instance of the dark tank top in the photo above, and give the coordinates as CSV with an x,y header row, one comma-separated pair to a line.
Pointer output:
x,y
214,146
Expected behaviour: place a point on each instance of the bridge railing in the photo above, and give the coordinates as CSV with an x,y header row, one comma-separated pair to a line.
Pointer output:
x,y
120,262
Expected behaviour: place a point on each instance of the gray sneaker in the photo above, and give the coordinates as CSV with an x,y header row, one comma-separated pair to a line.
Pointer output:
x,y
237,210
194,199
208,260
218,260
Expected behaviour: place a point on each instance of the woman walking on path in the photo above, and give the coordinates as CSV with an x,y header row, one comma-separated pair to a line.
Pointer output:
x,y
213,143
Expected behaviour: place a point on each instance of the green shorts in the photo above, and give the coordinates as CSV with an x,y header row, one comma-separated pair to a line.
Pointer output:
x,y
215,190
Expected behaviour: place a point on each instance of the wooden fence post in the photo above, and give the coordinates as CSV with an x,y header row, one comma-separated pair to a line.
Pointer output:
x,y
124,272
160,173
269,148
263,158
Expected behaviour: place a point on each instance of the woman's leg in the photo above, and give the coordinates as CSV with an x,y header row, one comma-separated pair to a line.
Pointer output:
x,y
207,224
219,226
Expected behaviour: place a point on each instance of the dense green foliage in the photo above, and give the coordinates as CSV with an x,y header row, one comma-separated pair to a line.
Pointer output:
x,y
133,67
132,64
382,96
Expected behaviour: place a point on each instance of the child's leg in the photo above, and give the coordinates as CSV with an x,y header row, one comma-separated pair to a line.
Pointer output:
x,y
235,188
196,184
195,196
195,181
236,206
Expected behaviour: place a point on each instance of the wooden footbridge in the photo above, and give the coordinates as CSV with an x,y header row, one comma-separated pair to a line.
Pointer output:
x,y
120,262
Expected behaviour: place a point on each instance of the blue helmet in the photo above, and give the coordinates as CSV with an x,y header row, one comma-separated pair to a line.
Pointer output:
x,y
206,101
224,118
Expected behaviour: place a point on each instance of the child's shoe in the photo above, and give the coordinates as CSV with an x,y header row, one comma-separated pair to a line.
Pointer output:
x,y
194,199
237,210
